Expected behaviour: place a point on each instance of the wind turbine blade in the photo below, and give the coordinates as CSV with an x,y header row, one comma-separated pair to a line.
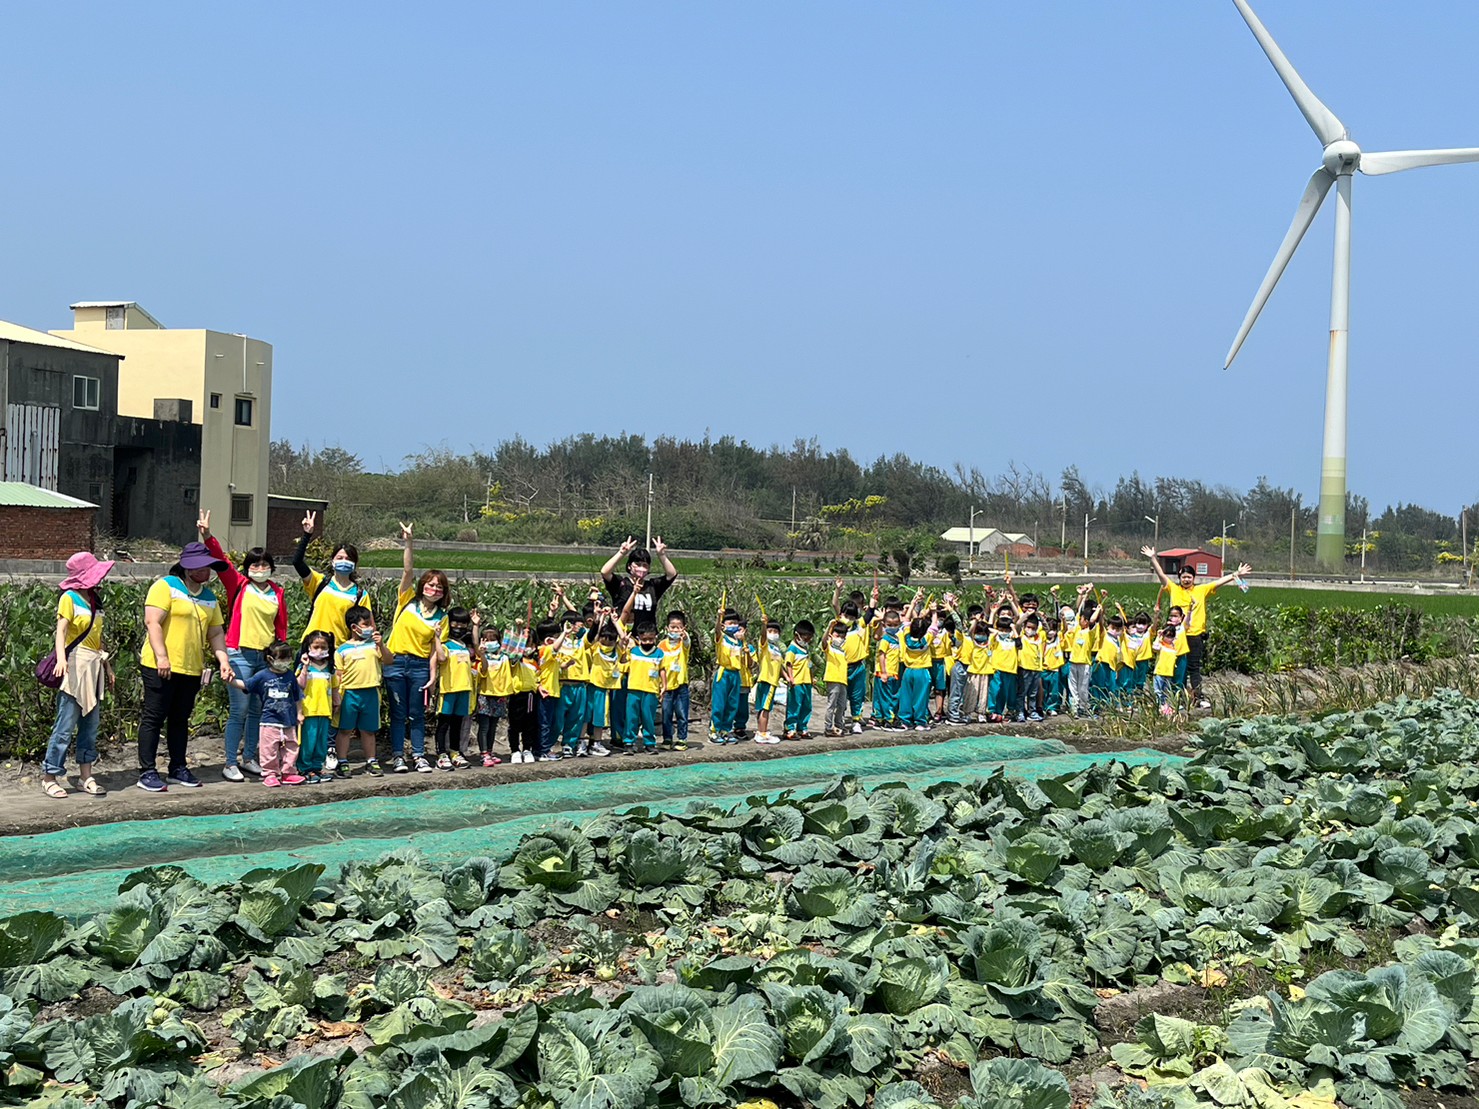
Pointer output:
x,y
1304,215
1394,161
1321,118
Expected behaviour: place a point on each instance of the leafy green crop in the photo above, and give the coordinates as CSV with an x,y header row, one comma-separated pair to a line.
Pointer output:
x,y
833,950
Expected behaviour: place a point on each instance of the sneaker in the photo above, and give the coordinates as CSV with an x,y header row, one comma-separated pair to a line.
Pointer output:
x,y
803,734
1036,718
920,728
680,745
739,734
547,758
271,781
400,765
331,763
649,748
311,778
181,776
600,750
372,767
293,779
580,752
444,763
489,760
1167,710
857,727
458,762
1204,703
252,767
422,766
232,773
342,770
151,781
628,749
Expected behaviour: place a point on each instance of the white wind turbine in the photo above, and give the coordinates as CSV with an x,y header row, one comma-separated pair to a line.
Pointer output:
x,y
1341,159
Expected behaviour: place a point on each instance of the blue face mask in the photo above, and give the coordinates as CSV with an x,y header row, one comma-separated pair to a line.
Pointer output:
x,y
343,566
367,633
731,629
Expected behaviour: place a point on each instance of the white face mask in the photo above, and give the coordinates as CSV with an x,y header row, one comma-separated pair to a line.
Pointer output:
x,y
260,576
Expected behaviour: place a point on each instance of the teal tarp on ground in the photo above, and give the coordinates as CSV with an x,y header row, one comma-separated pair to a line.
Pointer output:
x,y
78,870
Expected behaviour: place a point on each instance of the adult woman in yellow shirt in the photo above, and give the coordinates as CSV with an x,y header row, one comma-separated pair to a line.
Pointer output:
x,y
411,675
84,669
1185,592
330,595
182,621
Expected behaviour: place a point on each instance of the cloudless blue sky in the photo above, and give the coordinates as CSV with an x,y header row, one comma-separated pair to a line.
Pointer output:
x,y
971,232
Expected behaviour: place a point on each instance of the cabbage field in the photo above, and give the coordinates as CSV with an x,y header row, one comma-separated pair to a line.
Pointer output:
x,y
1286,920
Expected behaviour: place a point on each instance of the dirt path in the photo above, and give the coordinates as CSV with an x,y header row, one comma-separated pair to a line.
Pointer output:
x,y
25,810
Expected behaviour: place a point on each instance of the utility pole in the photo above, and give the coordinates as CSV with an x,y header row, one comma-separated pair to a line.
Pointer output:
x,y
1463,531
1225,527
1087,522
1293,515
1156,520
1063,538
649,509
793,508
1363,555
971,556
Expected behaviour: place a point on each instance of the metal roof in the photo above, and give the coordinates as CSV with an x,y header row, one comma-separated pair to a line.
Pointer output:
x,y
15,333
117,304
964,535
20,494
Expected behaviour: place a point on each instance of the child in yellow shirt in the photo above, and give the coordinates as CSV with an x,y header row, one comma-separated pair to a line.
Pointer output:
x,y
834,680
455,681
495,684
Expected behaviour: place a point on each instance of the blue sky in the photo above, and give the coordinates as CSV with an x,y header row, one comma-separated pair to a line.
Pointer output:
x,y
947,229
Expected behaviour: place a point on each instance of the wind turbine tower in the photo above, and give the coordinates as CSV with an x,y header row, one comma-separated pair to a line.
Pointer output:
x,y
1340,161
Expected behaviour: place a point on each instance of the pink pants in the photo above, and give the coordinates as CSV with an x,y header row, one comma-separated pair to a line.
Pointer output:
x,y
277,749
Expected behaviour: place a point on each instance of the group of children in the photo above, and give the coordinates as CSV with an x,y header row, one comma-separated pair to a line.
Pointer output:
x,y
591,682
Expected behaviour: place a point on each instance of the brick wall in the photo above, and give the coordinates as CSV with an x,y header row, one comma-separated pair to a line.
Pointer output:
x,y
285,526
58,533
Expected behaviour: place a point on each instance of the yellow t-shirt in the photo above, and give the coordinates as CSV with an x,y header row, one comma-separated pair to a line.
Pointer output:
x,y
675,657
772,657
727,653
835,669
1196,619
495,675
604,669
454,673
358,665
748,665
187,623
415,633
1182,646
645,670
1147,647
1052,654
525,676
799,659
941,646
258,607
1004,652
331,605
890,658
1165,659
1110,652
978,656
74,609
1030,654
576,651
915,657
549,671
318,692
1083,642
857,642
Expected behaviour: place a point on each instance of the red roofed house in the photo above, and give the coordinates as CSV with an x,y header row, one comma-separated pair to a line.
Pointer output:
x,y
1205,563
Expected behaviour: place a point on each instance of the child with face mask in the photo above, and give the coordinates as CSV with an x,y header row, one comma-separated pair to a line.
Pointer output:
x,y
834,678
360,665
281,697
495,684
724,701
772,656
316,710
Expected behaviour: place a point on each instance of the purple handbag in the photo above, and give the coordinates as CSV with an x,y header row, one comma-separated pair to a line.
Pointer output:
x,y
46,668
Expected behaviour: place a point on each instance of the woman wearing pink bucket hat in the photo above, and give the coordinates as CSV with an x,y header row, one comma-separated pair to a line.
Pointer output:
x,y
85,671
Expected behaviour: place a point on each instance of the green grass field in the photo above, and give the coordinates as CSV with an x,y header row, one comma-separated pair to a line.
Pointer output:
x,y
551,563
1144,594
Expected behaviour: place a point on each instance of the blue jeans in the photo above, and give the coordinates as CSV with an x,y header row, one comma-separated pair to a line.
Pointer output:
x,y
675,713
69,719
245,718
404,679
959,676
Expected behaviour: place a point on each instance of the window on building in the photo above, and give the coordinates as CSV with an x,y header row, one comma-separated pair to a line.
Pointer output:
x,y
241,508
243,411
113,317
95,492
192,494
215,400
86,392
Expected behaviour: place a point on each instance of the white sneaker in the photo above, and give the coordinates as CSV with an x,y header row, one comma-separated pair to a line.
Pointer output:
x,y
331,761
582,751
1204,704
857,729
600,750
252,767
231,773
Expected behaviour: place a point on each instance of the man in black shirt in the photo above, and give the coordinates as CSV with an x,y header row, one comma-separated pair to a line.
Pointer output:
x,y
644,590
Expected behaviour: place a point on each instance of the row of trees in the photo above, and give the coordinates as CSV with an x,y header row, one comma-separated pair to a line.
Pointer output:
x,y
726,493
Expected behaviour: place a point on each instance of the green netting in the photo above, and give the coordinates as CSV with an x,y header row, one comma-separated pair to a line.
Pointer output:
x,y
78,870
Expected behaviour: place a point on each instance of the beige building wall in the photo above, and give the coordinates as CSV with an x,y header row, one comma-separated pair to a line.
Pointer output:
x,y
228,381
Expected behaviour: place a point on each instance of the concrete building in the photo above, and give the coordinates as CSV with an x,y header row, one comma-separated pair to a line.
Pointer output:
x,y
62,433
228,381
987,540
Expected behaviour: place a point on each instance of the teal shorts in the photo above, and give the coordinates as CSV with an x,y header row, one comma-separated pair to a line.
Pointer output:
x,y
456,704
764,696
359,711
598,707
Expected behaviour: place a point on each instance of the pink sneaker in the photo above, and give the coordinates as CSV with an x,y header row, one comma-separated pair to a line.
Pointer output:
x,y
270,780
292,779
491,760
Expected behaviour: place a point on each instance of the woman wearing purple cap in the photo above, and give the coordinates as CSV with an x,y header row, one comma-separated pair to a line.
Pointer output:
x,y
182,621
85,671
